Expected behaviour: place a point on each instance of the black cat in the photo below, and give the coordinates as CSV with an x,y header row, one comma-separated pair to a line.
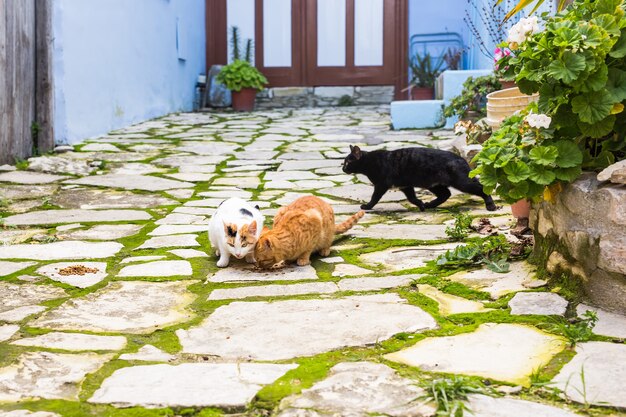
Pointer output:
x,y
433,169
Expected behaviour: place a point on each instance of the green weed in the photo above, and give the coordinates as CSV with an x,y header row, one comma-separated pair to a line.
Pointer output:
x,y
450,394
461,228
578,330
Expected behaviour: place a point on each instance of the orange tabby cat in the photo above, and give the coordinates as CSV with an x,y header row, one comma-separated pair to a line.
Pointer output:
x,y
305,226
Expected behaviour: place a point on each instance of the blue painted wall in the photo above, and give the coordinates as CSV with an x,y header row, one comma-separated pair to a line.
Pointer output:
x,y
118,62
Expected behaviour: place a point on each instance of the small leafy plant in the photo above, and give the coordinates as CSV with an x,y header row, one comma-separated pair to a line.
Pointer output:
x,y
580,330
451,393
241,74
473,97
461,228
524,160
424,70
492,251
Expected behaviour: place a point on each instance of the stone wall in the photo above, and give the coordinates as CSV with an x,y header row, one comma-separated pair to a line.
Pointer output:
x,y
583,235
323,96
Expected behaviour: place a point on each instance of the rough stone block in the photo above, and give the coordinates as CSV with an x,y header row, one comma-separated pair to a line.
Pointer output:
x,y
333,92
417,114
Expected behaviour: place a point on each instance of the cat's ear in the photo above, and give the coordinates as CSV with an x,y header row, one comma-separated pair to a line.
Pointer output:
x,y
356,151
268,244
252,228
351,147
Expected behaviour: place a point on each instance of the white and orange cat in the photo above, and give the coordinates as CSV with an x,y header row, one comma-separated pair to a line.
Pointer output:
x,y
300,229
234,229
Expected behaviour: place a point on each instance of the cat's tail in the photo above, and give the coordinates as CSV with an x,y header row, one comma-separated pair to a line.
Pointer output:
x,y
349,224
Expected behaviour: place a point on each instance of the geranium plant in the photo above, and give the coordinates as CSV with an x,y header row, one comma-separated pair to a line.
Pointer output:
x,y
524,159
241,74
577,66
473,96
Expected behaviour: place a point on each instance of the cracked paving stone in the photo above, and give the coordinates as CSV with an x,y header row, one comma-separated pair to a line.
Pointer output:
x,y
131,182
504,352
75,216
405,257
61,250
28,177
540,303
485,406
237,272
230,386
8,268
73,341
497,284
123,307
184,240
148,353
157,269
20,301
359,389
273,291
77,280
596,375
294,328
47,375
90,199
103,232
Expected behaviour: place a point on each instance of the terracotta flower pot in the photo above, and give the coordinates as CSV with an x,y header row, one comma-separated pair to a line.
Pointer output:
x,y
507,84
244,100
521,209
422,93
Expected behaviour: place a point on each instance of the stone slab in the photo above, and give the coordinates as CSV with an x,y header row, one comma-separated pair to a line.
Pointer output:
x,y
497,284
485,406
28,177
148,258
176,229
27,413
504,352
400,231
542,303
349,270
273,291
7,331
8,268
131,182
293,328
359,389
47,375
104,232
74,341
90,199
240,272
18,314
14,296
75,216
609,324
224,385
76,280
405,257
170,241
451,304
124,306
157,269
604,368
362,193
61,250
189,253
376,283
148,353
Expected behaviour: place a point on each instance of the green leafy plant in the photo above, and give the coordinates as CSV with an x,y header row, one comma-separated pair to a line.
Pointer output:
x,y
523,162
579,330
241,74
492,251
461,227
425,70
345,100
473,97
450,394
577,66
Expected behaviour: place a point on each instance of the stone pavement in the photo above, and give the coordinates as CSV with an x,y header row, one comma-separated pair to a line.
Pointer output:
x,y
111,302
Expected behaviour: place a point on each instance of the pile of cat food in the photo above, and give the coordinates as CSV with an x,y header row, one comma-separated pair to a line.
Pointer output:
x,y
77,270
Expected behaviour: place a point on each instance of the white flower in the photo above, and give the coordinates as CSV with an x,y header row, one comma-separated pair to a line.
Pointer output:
x,y
522,29
538,120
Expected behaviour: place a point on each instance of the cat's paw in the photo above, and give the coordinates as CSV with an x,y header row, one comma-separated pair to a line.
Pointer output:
x,y
492,207
366,207
250,258
303,262
325,252
222,263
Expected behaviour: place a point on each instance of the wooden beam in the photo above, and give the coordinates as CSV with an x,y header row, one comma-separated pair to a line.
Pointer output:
x,y
44,86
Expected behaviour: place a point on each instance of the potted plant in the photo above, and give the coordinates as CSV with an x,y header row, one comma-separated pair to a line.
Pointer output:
x,y
470,105
424,73
244,81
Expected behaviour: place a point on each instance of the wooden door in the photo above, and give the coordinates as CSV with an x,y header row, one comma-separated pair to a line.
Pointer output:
x,y
317,42
25,79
